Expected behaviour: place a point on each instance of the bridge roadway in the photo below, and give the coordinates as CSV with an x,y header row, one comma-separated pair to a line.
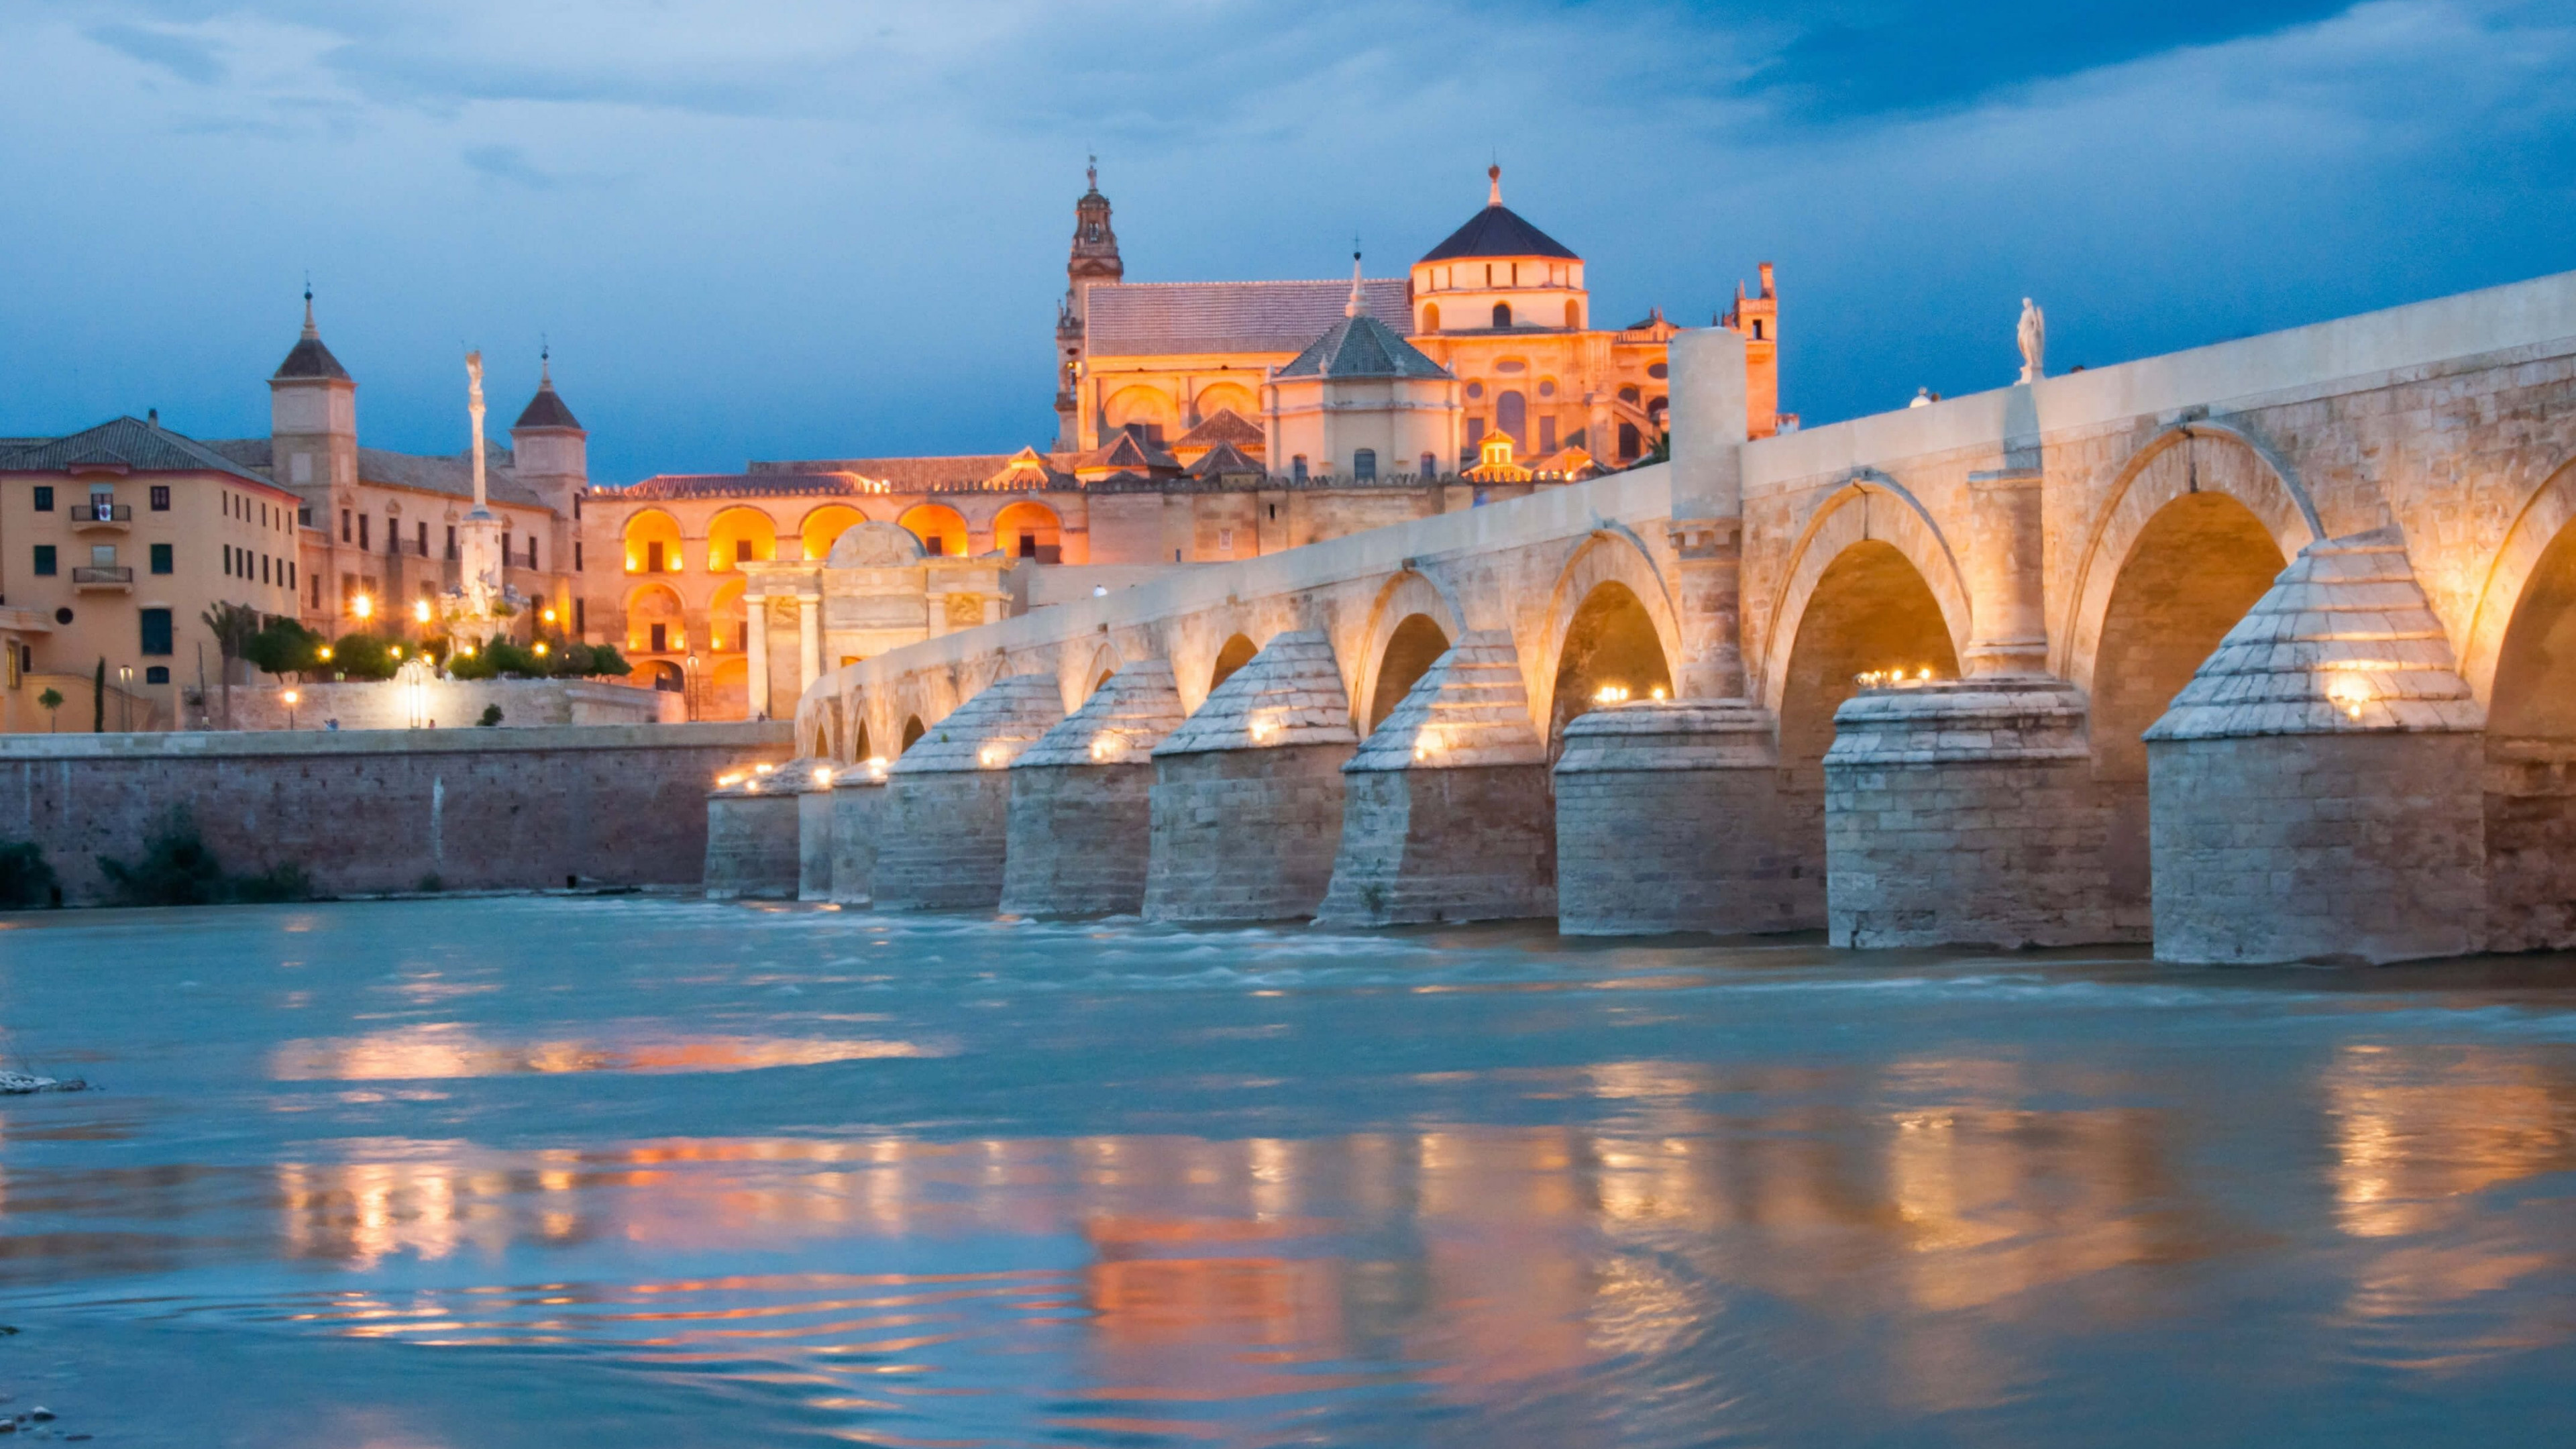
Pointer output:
x,y
2261,651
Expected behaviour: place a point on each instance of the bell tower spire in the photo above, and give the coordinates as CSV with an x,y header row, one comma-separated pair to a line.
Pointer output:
x,y
1093,261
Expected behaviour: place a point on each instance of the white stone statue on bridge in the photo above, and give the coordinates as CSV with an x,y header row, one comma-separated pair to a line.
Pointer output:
x,y
2033,334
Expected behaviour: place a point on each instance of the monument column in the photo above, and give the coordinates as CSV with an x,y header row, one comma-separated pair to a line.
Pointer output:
x,y
809,641
756,646
2006,539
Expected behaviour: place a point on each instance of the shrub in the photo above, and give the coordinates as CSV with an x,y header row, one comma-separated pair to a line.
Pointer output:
x,y
177,869
491,716
606,661
25,878
282,646
364,656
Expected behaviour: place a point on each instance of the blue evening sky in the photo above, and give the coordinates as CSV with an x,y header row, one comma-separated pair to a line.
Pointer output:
x,y
812,228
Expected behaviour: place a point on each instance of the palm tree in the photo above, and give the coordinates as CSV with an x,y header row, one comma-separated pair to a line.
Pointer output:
x,y
234,626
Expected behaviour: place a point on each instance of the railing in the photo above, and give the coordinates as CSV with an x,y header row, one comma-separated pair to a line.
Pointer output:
x,y
103,574
102,513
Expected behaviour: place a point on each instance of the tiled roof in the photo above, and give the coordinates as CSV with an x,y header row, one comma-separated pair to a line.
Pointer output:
x,y
1362,347
1289,694
740,485
1225,425
1225,459
1137,319
1498,231
1127,451
1119,725
451,476
128,443
308,357
546,410
905,475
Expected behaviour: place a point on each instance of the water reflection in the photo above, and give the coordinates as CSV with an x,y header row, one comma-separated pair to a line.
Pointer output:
x,y
450,1050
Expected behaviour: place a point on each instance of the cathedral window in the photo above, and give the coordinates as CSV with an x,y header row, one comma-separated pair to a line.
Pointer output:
x,y
1431,317
1364,465
1547,435
1757,329
1502,314
1511,414
1658,370
1225,540
1511,364
1475,389
1547,387
1430,465
1297,467
1574,316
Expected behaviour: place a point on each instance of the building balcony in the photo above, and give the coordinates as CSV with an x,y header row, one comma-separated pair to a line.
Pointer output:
x,y
102,517
115,578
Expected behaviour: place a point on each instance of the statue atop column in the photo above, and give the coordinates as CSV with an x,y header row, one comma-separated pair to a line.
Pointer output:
x,y
2033,334
482,599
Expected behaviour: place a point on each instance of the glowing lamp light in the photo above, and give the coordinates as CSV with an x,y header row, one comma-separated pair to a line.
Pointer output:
x,y
420,611
1659,691
541,648
2349,693
992,757
1103,746
1263,728
822,774
398,651
363,607
469,651
290,697
762,769
1611,694
549,614
323,653
727,782
876,767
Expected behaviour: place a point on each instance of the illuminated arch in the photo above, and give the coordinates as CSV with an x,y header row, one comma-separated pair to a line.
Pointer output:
x,y
822,527
2199,457
941,529
1610,644
2542,523
649,527
1235,653
1409,595
729,689
739,535
651,604
1871,509
1608,555
1232,397
1140,404
729,618
1029,529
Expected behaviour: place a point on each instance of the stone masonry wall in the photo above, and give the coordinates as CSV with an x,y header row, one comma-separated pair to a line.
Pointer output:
x,y
2005,853
379,811
751,845
1450,844
942,839
2355,847
1081,836
814,844
1245,835
855,806
2531,845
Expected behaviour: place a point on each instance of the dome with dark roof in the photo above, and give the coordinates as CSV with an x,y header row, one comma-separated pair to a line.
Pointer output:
x,y
1362,346
309,358
1498,231
546,410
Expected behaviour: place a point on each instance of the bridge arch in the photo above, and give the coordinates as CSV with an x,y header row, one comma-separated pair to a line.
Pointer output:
x,y
1409,615
913,730
1233,654
2522,661
1609,614
1871,510
2201,459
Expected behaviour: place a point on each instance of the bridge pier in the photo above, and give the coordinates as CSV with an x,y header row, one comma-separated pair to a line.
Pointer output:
x,y
943,829
1670,817
1248,792
1447,814
1964,813
2316,793
814,832
1081,815
752,835
858,795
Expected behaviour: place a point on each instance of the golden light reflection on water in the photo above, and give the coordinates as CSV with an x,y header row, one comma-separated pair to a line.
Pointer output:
x,y
1951,1204
449,1050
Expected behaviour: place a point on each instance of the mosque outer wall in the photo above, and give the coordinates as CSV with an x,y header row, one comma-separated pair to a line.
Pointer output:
x,y
378,810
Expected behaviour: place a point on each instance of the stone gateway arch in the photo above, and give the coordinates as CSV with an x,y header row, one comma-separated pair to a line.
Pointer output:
x,y
2261,651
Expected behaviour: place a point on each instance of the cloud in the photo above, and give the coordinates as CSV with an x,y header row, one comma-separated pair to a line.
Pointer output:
x,y
185,57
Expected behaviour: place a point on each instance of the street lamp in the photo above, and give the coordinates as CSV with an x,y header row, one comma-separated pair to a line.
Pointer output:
x,y
689,688
125,696
290,697
363,607
420,611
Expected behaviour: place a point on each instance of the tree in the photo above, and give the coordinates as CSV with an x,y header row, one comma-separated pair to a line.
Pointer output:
x,y
51,699
98,698
234,626
282,647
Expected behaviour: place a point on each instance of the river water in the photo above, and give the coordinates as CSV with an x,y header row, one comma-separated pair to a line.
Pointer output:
x,y
576,1172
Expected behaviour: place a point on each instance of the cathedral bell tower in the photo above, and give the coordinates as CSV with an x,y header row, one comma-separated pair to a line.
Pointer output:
x,y
1094,259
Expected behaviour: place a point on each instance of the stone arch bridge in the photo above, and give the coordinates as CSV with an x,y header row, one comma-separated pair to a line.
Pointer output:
x,y
2264,650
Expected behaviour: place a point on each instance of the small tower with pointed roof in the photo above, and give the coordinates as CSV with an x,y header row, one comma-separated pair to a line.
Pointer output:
x,y
551,453
313,418
1360,403
1093,260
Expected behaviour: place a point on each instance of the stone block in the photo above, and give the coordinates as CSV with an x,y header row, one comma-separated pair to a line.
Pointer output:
x,y
752,843
1244,834
1080,838
942,841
